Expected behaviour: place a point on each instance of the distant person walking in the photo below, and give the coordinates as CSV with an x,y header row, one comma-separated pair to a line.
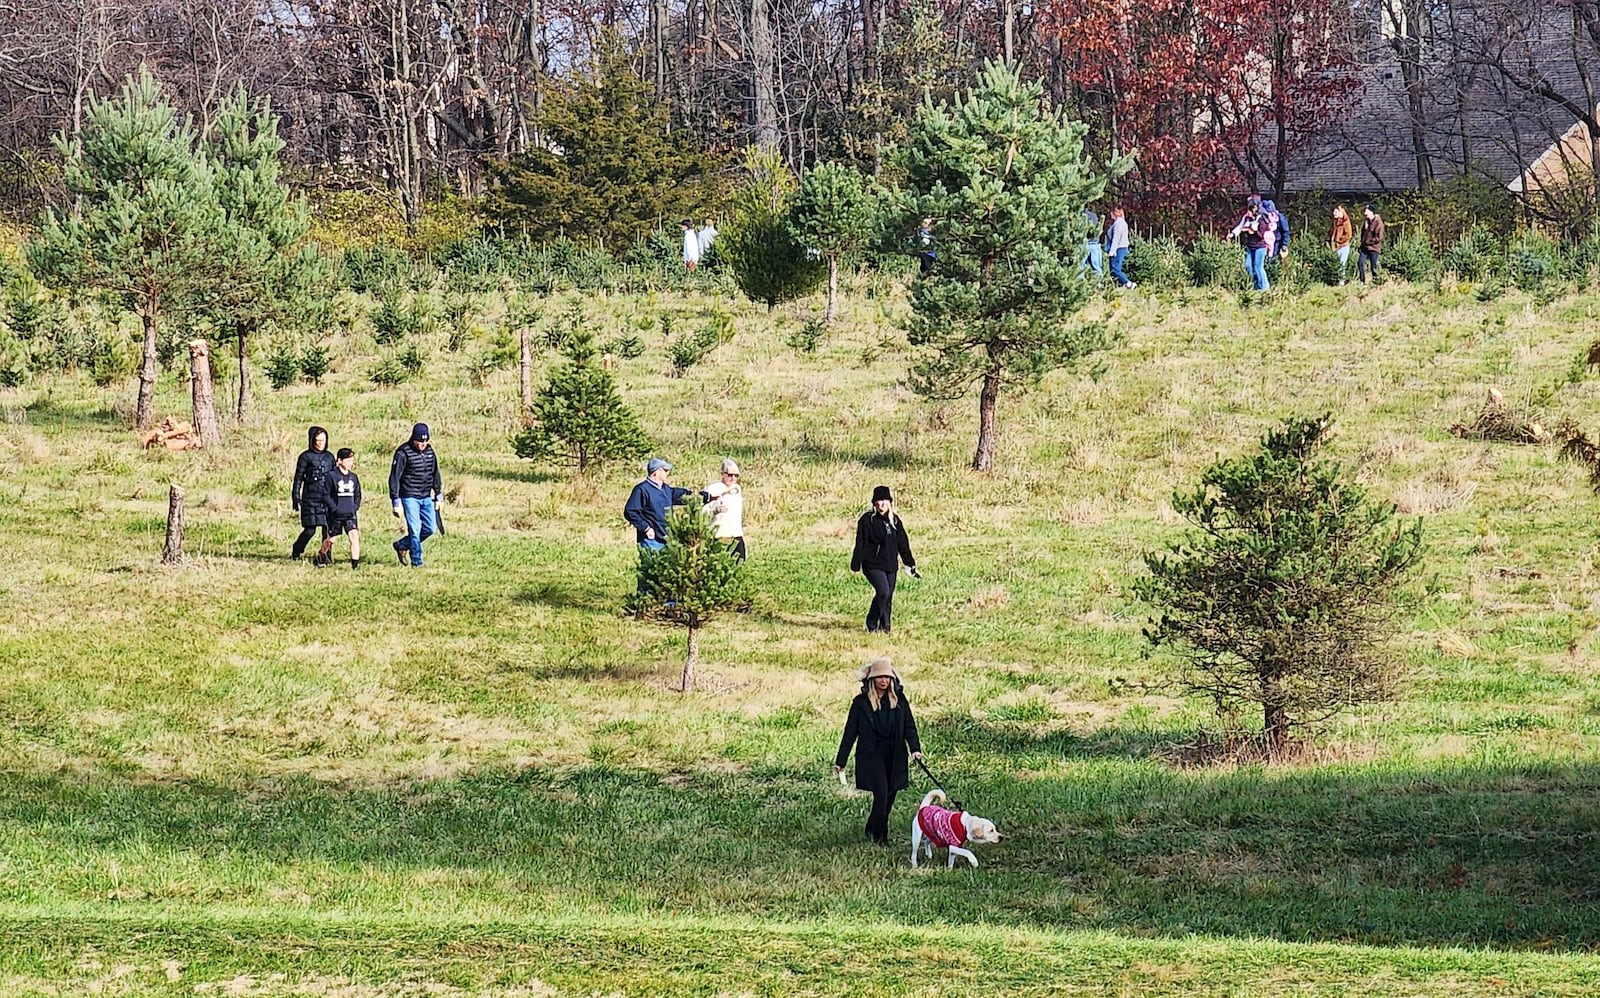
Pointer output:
x,y
1339,239
705,237
881,546
415,490
1093,256
1371,243
925,251
1117,243
344,503
724,504
308,491
1252,235
691,245
883,732
649,503
1280,231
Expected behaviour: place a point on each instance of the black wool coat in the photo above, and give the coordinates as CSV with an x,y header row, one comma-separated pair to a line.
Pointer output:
x,y
882,764
878,547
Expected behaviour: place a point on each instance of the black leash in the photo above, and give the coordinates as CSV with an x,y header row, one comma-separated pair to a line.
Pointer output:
x,y
955,805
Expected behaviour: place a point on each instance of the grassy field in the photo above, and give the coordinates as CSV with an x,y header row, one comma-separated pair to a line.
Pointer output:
x,y
249,777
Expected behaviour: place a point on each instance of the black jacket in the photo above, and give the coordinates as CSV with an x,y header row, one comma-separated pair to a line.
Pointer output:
x,y
881,544
882,762
414,474
310,488
344,494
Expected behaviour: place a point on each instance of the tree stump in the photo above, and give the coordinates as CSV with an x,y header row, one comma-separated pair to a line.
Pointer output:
x,y
527,373
204,395
172,554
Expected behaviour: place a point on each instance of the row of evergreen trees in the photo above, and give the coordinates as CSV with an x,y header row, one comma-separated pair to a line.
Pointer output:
x,y
165,221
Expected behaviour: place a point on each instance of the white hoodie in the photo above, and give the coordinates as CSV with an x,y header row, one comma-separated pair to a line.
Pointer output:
x,y
726,510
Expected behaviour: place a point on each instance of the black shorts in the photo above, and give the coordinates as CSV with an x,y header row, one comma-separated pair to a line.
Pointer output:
x,y
338,525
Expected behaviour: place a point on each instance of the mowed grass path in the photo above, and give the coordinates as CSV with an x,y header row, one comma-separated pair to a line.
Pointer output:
x,y
478,778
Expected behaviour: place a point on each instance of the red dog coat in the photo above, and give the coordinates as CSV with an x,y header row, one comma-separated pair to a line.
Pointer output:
x,y
943,828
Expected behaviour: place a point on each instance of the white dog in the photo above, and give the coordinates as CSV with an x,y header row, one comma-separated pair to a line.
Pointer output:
x,y
936,826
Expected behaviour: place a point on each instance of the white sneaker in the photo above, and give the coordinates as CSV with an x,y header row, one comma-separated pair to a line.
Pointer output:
x,y
1130,285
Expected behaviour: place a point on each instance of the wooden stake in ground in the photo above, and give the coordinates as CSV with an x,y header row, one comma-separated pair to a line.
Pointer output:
x,y
172,554
205,397
527,373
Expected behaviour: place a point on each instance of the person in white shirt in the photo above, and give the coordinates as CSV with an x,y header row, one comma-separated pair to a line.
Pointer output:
x,y
725,506
1117,247
691,245
706,237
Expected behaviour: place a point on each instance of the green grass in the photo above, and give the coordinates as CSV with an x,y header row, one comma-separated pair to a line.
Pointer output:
x,y
478,778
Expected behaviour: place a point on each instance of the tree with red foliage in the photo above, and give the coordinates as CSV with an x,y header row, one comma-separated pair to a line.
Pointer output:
x,y
1209,95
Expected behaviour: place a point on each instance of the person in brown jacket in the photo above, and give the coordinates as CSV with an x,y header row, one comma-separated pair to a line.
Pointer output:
x,y
1339,239
1371,243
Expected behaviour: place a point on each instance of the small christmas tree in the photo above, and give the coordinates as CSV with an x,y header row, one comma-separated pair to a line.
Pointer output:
x,y
690,581
768,263
1285,594
579,418
833,214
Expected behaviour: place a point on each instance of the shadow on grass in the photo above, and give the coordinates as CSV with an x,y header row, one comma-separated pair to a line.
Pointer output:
x,y
1485,856
1027,748
522,475
570,596
64,415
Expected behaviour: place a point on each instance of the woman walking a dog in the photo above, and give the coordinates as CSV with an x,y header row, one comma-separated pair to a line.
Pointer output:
x,y
881,728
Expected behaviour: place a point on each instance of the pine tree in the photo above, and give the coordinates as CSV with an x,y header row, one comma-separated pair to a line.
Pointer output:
x,y
769,264
579,418
1006,182
610,165
833,213
689,582
143,227
271,278
1284,595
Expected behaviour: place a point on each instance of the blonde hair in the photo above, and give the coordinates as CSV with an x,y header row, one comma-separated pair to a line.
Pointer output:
x,y
872,693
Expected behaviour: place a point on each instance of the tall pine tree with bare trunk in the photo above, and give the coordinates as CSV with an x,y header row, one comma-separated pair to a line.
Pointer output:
x,y
141,226
272,277
833,214
1006,182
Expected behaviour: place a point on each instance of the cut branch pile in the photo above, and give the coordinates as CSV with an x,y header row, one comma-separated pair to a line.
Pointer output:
x,y
1498,421
1579,449
171,433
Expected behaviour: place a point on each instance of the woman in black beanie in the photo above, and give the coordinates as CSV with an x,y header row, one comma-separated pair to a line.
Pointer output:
x,y
881,546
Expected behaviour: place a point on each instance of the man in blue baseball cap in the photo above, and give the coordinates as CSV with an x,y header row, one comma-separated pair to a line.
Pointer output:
x,y
649,502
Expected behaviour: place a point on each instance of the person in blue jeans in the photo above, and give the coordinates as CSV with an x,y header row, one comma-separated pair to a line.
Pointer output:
x,y
1117,247
1252,234
415,491
1093,259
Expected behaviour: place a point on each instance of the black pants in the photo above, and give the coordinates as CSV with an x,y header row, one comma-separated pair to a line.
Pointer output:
x,y
878,820
882,599
737,543
305,538
1364,259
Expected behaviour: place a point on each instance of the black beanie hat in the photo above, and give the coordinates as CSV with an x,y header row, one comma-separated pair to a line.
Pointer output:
x,y
419,432
882,492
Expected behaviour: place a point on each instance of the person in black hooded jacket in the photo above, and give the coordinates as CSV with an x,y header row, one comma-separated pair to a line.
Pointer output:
x,y
881,546
308,495
881,728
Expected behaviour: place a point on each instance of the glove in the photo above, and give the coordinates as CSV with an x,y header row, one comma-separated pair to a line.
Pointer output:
x,y
914,573
396,511
294,507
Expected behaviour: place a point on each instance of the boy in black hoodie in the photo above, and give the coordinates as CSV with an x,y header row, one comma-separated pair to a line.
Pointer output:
x,y
344,502
308,494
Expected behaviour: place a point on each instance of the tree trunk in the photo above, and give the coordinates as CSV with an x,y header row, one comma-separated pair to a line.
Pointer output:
x,y
144,412
527,372
983,460
1009,31
243,406
833,287
172,552
763,52
1275,717
691,660
204,396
